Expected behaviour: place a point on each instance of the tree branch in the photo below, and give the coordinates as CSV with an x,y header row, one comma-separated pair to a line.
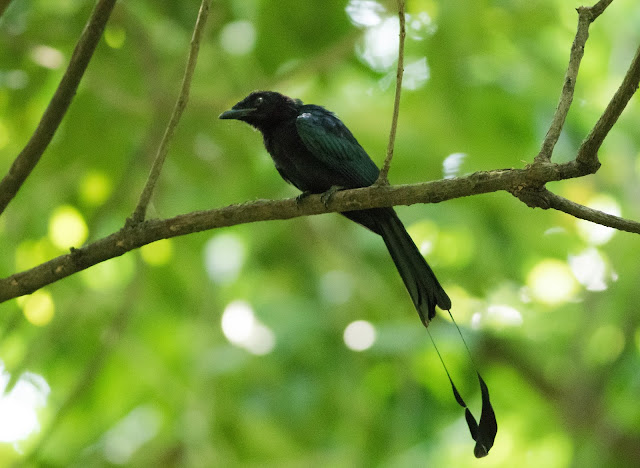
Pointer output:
x,y
141,209
57,108
584,212
384,172
588,152
586,16
146,232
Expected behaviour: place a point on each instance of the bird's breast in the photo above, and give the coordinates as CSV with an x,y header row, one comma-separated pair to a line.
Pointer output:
x,y
295,163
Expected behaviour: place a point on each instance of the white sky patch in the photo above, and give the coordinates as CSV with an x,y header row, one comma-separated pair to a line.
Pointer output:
x,y
416,74
379,49
241,327
224,257
18,408
359,335
238,37
451,164
365,13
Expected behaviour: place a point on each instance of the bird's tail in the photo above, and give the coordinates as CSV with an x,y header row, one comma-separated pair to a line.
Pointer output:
x,y
422,284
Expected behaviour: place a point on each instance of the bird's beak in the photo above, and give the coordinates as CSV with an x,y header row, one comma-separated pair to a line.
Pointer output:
x,y
237,114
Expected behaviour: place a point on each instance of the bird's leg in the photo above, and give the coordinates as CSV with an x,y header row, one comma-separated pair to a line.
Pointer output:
x,y
326,197
302,196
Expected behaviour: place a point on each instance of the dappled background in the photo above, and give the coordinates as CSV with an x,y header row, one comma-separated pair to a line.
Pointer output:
x,y
294,343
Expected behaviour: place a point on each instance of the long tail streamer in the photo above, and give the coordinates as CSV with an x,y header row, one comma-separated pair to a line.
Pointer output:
x,y
483,433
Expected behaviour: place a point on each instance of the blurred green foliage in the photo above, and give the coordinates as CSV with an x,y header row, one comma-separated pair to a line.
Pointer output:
x,y
139,368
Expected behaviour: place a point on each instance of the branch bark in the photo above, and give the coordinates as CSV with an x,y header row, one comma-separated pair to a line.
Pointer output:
x,y
132,237
57,108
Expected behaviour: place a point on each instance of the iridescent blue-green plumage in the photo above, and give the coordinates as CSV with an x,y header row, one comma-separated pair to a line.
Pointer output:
x,y
313,150
316,152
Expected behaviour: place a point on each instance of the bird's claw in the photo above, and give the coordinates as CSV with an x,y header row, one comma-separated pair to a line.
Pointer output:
x,y
302,196
326,197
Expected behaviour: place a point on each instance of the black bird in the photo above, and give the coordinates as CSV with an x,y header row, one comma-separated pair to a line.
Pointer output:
x,y
313,150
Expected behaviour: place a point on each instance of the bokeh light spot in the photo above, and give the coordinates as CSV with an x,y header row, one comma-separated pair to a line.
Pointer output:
x,y
67,228
551,282
238,321
18,417
365,13
424,234
157,253
359,335
47,57
597,234
95,188
452,163
605,345
38,308
224,257
336,287
380,47
115,36
501,316
238,37
241,327
590,269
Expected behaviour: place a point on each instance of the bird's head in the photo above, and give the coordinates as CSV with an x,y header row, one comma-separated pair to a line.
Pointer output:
x,y
263,109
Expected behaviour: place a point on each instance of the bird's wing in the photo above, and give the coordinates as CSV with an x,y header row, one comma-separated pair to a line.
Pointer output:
x,y
331,142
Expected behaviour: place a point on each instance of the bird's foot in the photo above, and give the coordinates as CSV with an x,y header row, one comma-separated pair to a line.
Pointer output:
x,y
302,196
326,197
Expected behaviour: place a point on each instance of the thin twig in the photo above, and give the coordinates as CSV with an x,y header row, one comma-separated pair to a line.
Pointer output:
x,y
57,108
584,212
588,152
585,17
384,172
141,209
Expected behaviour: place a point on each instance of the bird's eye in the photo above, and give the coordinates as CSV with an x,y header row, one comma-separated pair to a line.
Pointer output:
x,y
259,100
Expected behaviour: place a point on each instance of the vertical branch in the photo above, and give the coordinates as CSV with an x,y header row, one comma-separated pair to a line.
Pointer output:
x,y
384,172
57,108
588,152
141,209
586,16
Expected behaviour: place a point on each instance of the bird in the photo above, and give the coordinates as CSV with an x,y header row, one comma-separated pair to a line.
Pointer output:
x,y
314,151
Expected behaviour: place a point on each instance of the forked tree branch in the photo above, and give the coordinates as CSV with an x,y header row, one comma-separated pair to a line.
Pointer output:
x,y
57,108
527,184
130,238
